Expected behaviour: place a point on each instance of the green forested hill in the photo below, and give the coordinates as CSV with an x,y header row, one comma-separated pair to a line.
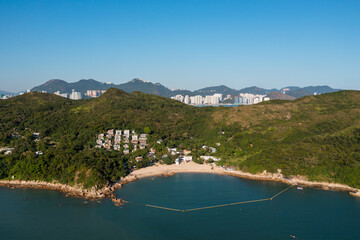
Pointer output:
x,y
317,136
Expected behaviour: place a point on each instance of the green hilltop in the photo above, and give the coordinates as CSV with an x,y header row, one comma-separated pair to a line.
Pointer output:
x,y
316,136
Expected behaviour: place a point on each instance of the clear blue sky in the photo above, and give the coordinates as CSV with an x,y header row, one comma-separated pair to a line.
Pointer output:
x,y
181,44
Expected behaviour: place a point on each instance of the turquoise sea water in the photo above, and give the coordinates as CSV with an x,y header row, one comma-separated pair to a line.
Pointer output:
x,y
307,214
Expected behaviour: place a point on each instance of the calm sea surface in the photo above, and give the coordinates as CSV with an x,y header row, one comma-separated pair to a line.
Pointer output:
x,y
307,214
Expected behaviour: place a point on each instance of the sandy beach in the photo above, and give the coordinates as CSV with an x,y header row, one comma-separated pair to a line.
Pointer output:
x,y
168,170
191,167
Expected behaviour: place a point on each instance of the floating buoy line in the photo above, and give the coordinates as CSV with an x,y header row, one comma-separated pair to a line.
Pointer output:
x,y
209,207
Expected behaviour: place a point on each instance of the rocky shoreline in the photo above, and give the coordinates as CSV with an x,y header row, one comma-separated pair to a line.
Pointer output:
x,y
169,170
67,189
298,181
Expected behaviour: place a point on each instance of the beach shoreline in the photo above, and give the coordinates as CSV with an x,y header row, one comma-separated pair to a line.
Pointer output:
x,y
168,170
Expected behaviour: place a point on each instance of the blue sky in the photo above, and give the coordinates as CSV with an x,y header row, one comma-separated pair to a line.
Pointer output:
x,y
181,44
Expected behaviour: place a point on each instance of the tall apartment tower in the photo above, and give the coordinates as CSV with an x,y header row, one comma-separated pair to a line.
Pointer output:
x,y
75,95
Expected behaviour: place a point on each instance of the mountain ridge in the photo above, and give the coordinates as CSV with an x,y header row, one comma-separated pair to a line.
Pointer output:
x,y
137,84
3,92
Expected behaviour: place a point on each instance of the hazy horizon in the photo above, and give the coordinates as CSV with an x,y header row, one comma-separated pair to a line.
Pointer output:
x,y
181,44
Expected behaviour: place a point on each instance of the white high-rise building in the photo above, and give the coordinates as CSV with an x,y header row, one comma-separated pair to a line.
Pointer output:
x,y
208,100
178,97
218,95
213,100
198,100
127,133
248,98
65,95
187,99
75,95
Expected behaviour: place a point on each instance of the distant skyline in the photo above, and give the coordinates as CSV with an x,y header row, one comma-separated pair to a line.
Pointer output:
x,y
187,44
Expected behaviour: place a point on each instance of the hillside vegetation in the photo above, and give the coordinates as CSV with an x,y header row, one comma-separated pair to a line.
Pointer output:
x,y
316,136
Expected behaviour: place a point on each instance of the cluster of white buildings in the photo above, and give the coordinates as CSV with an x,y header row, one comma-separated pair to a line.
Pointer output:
x,y
200,100
77,95
217,98
182,155
113,140
94,93
73,95
3,97
248,99
7,96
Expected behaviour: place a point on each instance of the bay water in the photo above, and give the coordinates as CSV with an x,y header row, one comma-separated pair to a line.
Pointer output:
x,y
294,214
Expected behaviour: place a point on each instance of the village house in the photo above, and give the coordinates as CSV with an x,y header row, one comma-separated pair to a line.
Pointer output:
x,y
139,158
172,151
101,136
38,153
143,139
205,158
126,133
151,153
212,150
187,158
134,148
108,144
6,150
134,139
15,134
110,133
99,142
117,139
36,135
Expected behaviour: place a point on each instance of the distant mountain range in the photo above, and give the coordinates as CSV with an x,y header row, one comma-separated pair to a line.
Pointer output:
x,y
159,89
2,92
91,84
280,95
301,92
